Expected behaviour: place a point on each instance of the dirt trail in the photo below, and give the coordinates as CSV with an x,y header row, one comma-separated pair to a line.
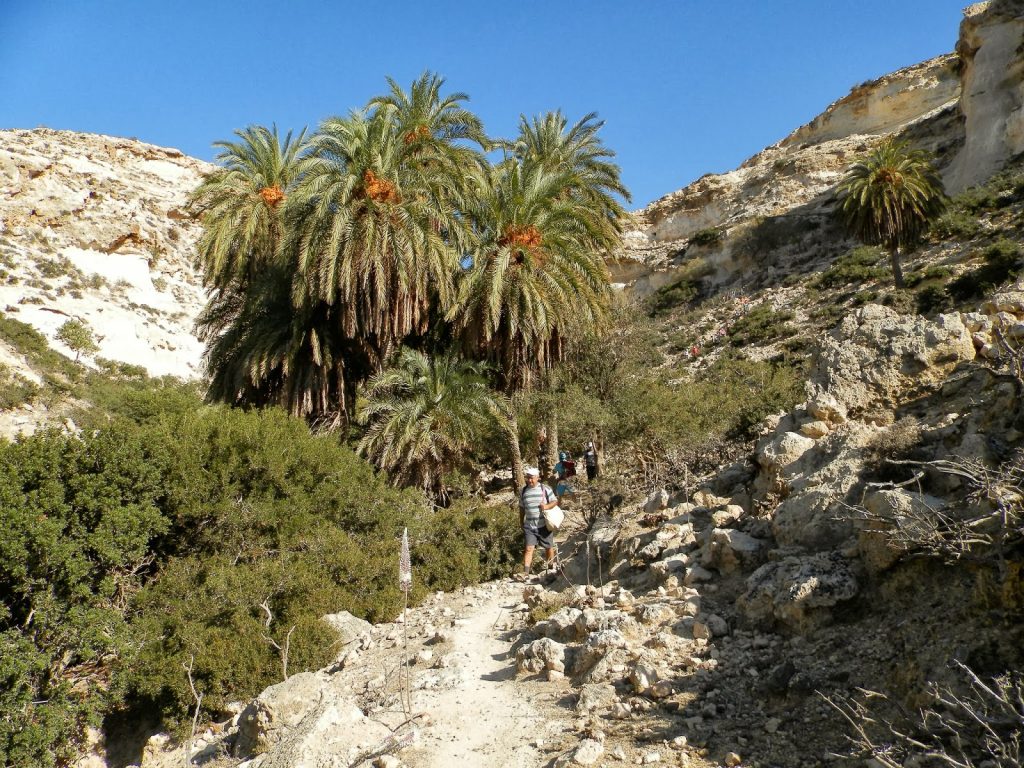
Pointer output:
x,y
486,717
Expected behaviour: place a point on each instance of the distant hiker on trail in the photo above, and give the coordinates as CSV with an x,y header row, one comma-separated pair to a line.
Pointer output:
x,y
565,470
535,498
590,460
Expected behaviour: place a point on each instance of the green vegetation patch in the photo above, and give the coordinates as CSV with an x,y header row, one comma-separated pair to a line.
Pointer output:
x,y
857,266
167,531
1002,263
761,325
688,288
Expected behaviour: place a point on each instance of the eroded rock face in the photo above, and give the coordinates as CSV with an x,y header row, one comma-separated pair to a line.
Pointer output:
x,y
795,175
993,91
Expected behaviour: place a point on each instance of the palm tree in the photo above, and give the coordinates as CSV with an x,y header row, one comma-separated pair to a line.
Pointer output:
x,y
550,142
890,197
268,342
423,414
241,203
377,233
435,128
535,275
262,350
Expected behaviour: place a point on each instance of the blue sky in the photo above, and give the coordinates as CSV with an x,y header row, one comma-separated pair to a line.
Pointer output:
x,y
687,87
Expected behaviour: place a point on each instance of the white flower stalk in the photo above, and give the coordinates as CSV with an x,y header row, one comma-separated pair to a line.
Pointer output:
x,y
405,564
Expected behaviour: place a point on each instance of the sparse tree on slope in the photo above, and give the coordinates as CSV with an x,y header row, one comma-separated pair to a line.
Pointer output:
x,y
78,337
890,197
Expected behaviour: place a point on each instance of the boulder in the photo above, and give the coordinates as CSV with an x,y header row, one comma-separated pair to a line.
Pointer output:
x,y
814,429
311,717
595,620
595,697
730,550
549,654
596,647
657,501
778,453
347,626
723,518
587,752
796,590
561,625
892,519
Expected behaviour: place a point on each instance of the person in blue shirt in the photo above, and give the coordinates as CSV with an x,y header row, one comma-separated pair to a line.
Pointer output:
x,y
565,470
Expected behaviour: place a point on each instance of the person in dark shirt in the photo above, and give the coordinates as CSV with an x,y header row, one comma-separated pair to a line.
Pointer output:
x,y
590,460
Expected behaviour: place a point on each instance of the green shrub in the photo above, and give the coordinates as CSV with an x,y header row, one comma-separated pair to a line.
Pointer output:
x,y
933,274
15,389
857,266
1003,189
932,298
34,346
901,301
688,287
78,517
706,237
677,294
1002,263
761,325
955,225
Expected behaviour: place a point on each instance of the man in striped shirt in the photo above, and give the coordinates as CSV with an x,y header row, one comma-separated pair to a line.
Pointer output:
x,y
535,498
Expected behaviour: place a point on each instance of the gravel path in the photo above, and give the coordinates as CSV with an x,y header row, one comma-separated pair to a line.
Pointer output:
x,y
487,717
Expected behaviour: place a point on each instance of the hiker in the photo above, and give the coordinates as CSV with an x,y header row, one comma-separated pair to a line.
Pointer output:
x,y
590,460
565,470
535,498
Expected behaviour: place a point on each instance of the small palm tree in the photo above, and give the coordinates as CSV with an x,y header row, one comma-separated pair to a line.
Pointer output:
x,y
423,414
890,197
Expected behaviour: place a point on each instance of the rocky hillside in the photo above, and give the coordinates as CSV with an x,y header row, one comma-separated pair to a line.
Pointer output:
x,y
866,545
94,228
862,546
967,107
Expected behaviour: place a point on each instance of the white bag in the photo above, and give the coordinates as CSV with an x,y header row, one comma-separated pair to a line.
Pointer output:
x,y
553,517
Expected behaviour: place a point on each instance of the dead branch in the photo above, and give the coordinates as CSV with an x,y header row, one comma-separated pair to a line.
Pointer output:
x,y
198,698
981,726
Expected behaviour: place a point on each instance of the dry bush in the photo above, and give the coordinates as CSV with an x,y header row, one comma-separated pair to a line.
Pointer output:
x,y
988,522
979,726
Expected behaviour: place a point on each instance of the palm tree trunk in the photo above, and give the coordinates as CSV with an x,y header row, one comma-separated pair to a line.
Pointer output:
x,y
897,268
553,439
517,457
